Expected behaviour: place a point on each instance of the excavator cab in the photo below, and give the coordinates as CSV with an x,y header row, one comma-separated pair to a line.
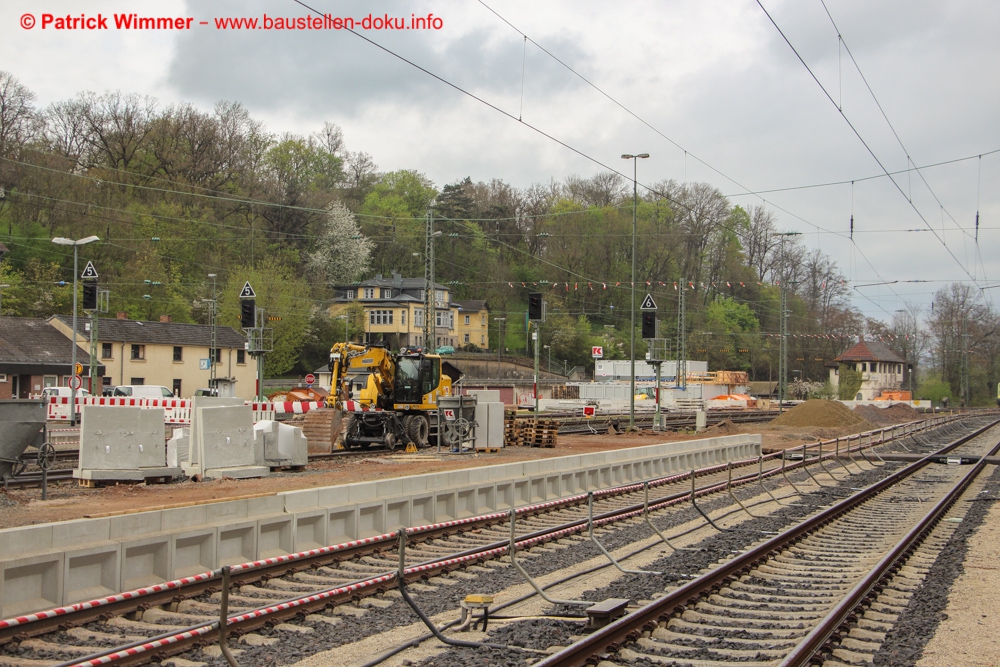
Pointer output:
x,y
416,376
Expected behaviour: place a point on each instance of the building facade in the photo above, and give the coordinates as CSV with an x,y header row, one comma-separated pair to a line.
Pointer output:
x,y
35,355
394,313
170,354
881,369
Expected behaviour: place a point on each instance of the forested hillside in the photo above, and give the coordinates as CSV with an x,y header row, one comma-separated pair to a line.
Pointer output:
x,y
177,193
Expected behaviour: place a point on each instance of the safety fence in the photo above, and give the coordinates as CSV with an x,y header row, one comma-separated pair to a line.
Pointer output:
x,y
175,410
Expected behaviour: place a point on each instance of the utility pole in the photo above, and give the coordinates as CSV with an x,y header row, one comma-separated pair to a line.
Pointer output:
x,y
966,399
214,355
783,343
535,340
430,303
681,378
501,340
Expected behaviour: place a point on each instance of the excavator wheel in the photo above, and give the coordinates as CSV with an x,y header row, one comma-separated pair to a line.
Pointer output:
x,y
390,441
405,433
418,430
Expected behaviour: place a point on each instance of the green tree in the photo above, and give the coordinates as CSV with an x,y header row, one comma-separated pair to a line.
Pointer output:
x,y
279,294
849,382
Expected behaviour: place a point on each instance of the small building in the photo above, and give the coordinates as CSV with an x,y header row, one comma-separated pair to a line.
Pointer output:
x,y
170,354
394,312
35,355
472,324
881,369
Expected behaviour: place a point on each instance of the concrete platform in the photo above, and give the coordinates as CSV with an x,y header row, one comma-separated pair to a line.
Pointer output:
x,y
46,565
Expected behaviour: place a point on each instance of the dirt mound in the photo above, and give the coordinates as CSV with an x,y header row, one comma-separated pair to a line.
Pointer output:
x,y
895,414
724,427
821,413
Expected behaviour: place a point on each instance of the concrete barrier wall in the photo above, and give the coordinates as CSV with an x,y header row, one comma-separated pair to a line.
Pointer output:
x,y
54,564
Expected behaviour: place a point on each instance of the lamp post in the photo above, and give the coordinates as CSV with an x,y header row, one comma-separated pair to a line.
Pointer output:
x,y
347,323
635,203
501,340
59,240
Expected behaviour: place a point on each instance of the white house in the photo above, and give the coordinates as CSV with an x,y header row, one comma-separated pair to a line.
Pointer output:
x,y
881,369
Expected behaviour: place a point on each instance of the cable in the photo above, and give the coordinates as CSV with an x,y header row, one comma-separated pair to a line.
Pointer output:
x,y
860,138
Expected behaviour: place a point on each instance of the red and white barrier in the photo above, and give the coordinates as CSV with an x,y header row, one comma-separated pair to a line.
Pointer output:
x,y
175,410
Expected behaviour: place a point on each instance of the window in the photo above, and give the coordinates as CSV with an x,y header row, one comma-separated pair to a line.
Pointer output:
x,y
105,350
137,381
467,323
445,320
380,317
439,319
482,340
466,338
423,294
418,317
386,293
106,381
241,356
402,317
482,320
138,352
178,355
49,381
369,293
439,296
218,354
350,294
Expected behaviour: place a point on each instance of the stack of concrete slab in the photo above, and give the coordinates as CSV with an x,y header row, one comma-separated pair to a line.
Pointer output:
x,y
122,444
489,418
284,445
221,440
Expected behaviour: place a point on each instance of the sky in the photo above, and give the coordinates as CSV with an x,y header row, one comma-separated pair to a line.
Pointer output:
x,y
710,89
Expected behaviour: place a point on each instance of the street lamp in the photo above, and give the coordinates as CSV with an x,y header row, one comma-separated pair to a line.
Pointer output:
x,y
635,203
59,240
347,323
501,340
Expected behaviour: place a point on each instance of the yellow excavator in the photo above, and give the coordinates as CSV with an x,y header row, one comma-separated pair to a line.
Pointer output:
x,y
387,398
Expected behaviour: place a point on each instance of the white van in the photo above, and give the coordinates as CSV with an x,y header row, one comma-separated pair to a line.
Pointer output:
x,y
143,391
63,391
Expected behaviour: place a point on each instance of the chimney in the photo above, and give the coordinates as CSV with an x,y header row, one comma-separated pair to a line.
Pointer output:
x,y
397,279
378,276
121,315
164,318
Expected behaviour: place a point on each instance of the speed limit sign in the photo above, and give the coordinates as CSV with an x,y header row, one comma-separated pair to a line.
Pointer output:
x,y
75,382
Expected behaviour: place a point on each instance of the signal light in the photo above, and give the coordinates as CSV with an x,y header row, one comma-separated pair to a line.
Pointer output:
x,y
534,305
90,295
649,325
248,314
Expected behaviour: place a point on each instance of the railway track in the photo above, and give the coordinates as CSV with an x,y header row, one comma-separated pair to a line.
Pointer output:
x,y
323,586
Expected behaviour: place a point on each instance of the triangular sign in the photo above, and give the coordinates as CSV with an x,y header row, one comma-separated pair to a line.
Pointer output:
x,y
648,303
248,292
89,271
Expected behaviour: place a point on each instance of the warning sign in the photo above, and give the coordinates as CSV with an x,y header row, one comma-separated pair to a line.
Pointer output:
x,y
648,303
247,292
89,272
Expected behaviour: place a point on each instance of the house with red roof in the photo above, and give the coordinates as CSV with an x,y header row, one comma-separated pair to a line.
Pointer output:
x,y
881,369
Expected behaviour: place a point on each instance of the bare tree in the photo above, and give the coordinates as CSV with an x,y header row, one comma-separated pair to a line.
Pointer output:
x,y
17,114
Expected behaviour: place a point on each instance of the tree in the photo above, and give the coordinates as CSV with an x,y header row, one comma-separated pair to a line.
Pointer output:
x,y
342,253
280,294
17,114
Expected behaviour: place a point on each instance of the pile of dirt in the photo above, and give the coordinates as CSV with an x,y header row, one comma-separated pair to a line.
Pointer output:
x,y
874,415
821,413
898,413
725,427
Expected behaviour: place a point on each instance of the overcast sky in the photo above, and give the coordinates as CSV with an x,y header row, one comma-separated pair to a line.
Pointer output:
x,y
713,78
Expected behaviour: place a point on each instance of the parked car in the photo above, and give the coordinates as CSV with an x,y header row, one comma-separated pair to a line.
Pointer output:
x,y
446,349
63,391
143,391
206,392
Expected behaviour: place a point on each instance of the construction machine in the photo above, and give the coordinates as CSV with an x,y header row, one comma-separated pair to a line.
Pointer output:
x,y
387,398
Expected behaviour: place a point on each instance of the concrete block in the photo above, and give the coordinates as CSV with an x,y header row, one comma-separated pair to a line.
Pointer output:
x,y
486,395
145,561
522,492
150,436
296,501
445,506
237,543
71,534
357,493
194,552
422,510
371,519
32,583
482,426
107,437
332,496
292,445
465,503
494,424
552,487
184,518
135,525
159,472
265,506
179,447
109,475
91,573
342,525
310,530
238,472
25,540
537,490
274,536
225,437
397,514
226,512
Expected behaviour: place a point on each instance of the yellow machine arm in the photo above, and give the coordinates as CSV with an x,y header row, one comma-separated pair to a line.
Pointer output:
x,y
347,358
